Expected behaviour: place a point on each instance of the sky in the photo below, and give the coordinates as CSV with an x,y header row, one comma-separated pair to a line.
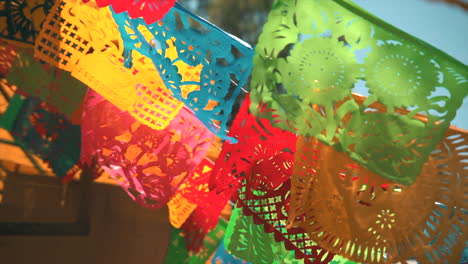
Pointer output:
x,y
441,25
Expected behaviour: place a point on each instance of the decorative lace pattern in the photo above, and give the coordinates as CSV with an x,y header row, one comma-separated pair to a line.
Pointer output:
x,y
22,19
259,167
192,193
248,241
83,39
149,164
180,209
311,56
224,62
195,189
149,10
356,213
209,205
154,106
203,220
50,84
261,151
73,30
270,210
138,90
43,132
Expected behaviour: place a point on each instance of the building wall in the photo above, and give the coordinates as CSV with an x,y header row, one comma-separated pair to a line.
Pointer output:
x,y
121,232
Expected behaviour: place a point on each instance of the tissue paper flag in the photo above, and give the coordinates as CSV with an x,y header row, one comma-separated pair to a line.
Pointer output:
x,y
313,53
194,192
203,219
261,151
270,210
180,209
178,253
149,164
209,205
74,30
84,40
149,10
51,85
259,167
248,241
358,214
224,60
21,19
195,189
44,132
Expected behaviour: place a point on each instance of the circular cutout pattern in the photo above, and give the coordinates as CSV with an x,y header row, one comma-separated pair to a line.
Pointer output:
x,y
400,75
319,70
358,214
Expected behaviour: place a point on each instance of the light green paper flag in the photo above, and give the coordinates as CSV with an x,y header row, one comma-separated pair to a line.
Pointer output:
x,y
313,53
248,241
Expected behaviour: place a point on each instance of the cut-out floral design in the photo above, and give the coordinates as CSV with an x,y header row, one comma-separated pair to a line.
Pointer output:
x,y
400,75
328,71
83,39
313,54
358,214
224,61
149,164
256,172
248,241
